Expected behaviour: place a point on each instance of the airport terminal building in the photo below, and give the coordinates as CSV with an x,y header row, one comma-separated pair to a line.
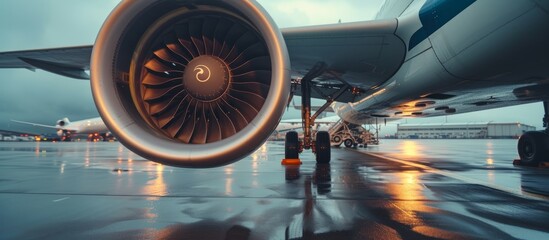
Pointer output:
x,y
462,130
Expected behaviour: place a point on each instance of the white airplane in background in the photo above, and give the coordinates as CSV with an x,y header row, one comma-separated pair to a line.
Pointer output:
x,y
204,83
93,127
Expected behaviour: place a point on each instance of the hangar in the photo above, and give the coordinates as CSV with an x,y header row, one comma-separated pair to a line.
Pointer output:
x,y
463,130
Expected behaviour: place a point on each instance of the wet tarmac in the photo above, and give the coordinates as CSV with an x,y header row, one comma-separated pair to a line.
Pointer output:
x,y
421,189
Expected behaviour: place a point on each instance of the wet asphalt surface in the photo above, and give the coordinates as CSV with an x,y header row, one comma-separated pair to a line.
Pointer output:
x,y
422,189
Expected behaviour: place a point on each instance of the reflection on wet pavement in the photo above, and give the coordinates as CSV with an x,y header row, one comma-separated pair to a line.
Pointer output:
x,y
103,191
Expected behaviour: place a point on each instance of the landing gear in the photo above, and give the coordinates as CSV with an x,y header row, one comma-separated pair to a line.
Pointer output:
x,y
291,145
65,135
533,147
322,147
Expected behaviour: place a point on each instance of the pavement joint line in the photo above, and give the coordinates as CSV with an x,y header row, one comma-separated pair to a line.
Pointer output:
x,y
523,194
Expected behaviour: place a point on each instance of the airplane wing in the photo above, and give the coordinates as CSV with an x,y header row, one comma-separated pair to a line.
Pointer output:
x,y
70,62
359,55
41,125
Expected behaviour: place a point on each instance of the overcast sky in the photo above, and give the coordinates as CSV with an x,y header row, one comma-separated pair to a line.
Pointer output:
x,y
44,97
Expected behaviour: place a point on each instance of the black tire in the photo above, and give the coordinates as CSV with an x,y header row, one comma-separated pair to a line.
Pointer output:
x,y
533,147
322,147
348,142
291,145
337,141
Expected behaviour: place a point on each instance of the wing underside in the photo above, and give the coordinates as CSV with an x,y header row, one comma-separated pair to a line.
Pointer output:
x,y
70,62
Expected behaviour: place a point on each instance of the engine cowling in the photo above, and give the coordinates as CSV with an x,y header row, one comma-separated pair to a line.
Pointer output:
x,y
63,122
190,83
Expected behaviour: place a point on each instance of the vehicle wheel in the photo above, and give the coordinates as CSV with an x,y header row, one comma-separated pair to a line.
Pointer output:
x,y
348,142
322,147
337,140
291,145
533,147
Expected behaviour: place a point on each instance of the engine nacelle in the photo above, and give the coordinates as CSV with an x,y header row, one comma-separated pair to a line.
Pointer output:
x,y
190,83
63,122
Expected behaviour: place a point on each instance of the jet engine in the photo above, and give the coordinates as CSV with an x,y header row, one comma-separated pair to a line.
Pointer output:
x,y
190,83
63,122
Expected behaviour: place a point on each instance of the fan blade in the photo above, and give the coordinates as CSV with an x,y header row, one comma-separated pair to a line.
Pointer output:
x,y
186,131
243,42
174,114
153,95
221,31
201,130
261,76
159,109
154,81
169,59
156,66
229,128
255,87
236,116
229,40
253,51
184,39
195,30
173,44
258,63
253,99
244,108
214,133
208,32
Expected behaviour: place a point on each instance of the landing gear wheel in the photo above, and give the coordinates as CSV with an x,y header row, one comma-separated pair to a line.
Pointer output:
x,y
533,147
291,146
349,143
322,147
337,140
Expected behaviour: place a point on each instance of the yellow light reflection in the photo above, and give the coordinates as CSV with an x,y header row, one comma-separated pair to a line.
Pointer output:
x,y
229,170
255,164
37,149
408,189
491,176
229,186
489,153
156,187
410,150
229,180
